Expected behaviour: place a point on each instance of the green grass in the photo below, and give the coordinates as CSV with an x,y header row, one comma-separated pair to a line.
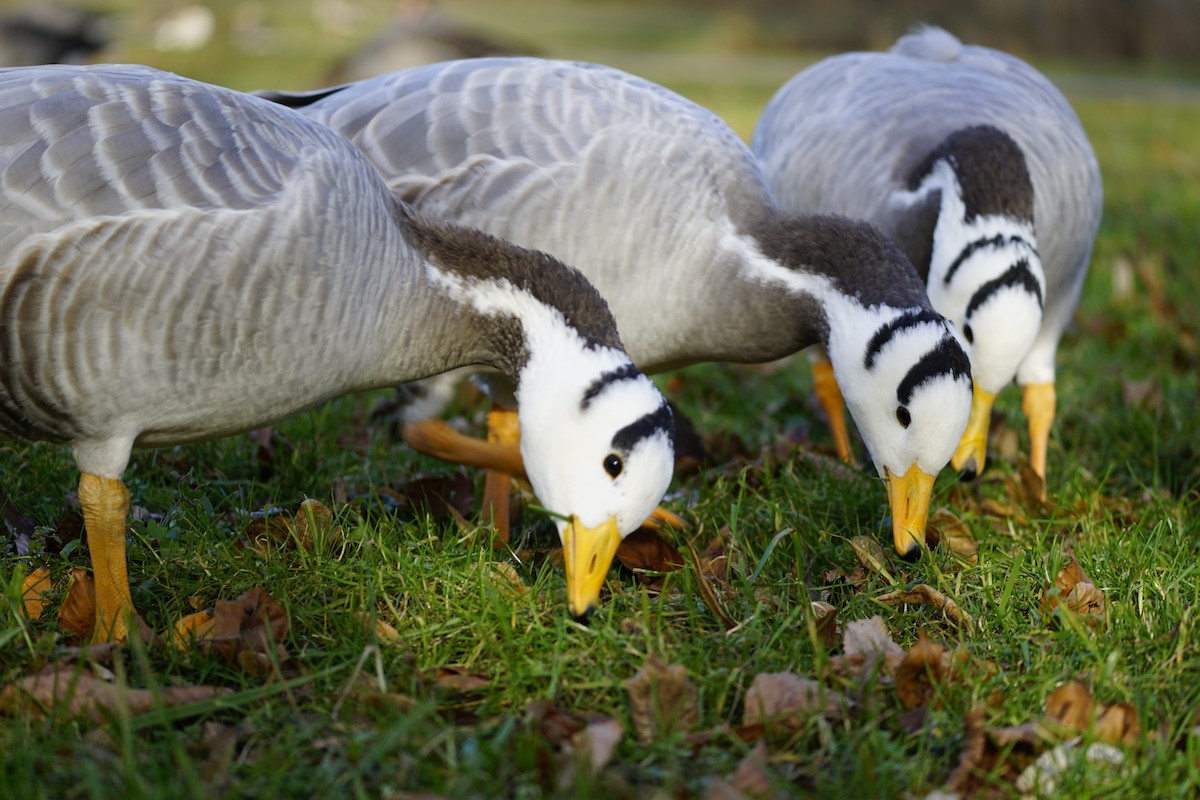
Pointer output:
x,y
365,717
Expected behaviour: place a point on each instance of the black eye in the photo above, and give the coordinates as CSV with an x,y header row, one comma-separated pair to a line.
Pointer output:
x,y
969,334
903,417
613,464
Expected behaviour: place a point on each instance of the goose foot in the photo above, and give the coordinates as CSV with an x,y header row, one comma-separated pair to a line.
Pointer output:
x,y
105,504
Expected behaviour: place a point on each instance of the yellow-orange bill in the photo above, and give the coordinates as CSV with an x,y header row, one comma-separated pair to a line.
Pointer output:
x,y
587,555
908,496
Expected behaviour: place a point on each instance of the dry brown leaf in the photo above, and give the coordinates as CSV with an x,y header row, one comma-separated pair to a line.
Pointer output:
x,y
220,745
597,741
922,668
947,529
1074,589
505,577
871,555
247,632
76,690
1073,707
708,594
662,700
999,754
460,679
191,628
34,589
924,594
750,780
789,699
383,632
645,549
440,497
314,522
77,615
870,638
825,621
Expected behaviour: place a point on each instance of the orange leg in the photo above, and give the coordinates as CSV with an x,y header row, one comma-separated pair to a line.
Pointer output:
x,y
1038,401
504,430
105,503
830,397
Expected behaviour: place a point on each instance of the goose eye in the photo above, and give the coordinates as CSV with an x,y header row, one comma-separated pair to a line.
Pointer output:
x,y
969,334
903,417
613,464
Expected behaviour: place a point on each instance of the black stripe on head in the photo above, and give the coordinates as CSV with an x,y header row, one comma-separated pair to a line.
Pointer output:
x,y
625,372
1018,275
888,330
946,358
999,240
652,424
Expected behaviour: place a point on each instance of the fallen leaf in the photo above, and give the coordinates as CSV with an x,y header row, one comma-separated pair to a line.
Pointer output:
x,y
383,631
314,523
870,554
1074,590
191,628
865,638
505,577
33,593
460,679
247,632
77,615
75,690
646,550
1073,707
949,530
789,699
825,621
662,700
750,780
925,594
921,669
990,757
708,594
597,741
220,745
439,497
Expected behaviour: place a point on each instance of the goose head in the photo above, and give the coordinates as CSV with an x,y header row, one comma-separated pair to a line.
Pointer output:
x,y
906,379
598,441
597,437
985,274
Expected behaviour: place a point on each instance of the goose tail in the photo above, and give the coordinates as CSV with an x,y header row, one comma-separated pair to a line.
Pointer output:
x,y
928,43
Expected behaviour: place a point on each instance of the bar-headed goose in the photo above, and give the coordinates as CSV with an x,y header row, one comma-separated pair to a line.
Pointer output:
x,y
977,166
666,211
181,262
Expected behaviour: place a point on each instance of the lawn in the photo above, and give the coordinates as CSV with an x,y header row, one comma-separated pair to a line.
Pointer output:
x,y
412,664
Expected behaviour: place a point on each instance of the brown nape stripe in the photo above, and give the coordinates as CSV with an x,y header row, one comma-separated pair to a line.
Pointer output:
x,y
626,372
652,424
999,240
993,178
909,319
1018,275
946,358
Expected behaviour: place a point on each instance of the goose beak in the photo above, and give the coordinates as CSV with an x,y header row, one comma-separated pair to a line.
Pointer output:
x,y
909,495
971,454
587,555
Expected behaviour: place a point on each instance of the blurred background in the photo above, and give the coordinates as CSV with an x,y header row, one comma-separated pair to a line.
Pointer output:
x,y
730,55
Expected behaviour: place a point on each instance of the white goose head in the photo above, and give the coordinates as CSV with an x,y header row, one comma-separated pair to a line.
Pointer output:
x,y
597,437
900,365
985,274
